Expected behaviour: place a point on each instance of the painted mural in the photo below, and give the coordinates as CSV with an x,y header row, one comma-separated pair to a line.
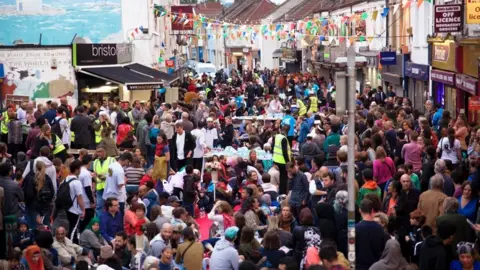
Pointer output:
x,y
97,21
38,73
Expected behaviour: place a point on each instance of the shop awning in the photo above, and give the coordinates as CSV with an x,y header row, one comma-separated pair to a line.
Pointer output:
x,y
277,53
117,74
392,78
156,74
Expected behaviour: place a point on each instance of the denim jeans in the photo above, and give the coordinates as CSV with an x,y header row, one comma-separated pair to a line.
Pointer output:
x,y
99,207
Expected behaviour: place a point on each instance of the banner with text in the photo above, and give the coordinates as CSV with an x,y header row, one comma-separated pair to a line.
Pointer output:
x,y
448,18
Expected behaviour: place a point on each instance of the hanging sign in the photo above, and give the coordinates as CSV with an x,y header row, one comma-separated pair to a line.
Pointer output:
x,y
466,83
388,58
474,103
448,18
170,63
473,11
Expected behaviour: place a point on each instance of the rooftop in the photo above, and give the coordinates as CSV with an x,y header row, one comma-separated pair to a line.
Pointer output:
x,y
304,10
249,11
209,9
332,6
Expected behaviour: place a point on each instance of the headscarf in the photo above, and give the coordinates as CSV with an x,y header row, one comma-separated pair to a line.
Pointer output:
x,y
29,252
392,258
90,224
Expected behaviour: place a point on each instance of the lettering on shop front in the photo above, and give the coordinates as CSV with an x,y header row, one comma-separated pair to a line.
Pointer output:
x,y
441,52
448,18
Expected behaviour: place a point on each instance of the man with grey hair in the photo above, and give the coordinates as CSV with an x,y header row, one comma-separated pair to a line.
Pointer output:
x,y
186,123
448,186
464,231
431,200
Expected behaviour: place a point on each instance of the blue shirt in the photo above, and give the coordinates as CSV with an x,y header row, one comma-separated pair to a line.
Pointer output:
x,y
456,265
304,130
289,120
469,211
110,225
153,135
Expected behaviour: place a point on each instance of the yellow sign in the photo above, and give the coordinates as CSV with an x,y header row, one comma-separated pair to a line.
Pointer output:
x,y
473,11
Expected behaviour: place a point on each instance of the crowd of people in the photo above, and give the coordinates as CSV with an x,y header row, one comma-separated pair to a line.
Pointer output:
x,y
109,185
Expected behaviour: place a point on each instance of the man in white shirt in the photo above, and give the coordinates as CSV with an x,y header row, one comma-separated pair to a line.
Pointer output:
x,y
22,113
77,211
115,182
200,146
85,178
181,147
211,133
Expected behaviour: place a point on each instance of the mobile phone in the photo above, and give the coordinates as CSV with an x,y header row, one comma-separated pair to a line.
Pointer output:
x,y
470,223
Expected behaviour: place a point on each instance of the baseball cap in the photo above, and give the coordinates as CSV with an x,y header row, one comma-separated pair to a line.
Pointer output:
x,y
231,232
174,199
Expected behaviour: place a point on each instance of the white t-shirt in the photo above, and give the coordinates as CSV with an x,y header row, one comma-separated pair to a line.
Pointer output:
x,y
210,136
86,179
65,131
449,153
75,190
200,143
180,141
115,177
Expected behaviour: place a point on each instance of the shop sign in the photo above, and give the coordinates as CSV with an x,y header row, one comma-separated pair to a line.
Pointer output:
x,y
416,71
147,86
473,11
289,54
388,58
470,52
101,54
448,18
170,63
466,83
443,55
443,77
474,103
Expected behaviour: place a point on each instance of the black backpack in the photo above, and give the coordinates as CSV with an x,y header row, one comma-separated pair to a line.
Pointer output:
x,y
28,184
64,201
45,194
29,187
56,129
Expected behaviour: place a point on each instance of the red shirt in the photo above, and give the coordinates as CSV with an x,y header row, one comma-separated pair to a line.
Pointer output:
x,y
122,132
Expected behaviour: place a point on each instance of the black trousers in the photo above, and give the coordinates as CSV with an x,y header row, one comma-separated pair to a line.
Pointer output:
x,y
180,164
197,163
89,214
74,221
283,187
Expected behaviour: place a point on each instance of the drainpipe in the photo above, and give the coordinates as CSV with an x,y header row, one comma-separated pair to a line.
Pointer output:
x,y
386,25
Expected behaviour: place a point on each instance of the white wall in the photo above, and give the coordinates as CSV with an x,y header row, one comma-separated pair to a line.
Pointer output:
x,y
267,47
422,25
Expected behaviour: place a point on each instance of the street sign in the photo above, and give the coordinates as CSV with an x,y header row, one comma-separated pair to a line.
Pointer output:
x,y
448,18
170,63
473,11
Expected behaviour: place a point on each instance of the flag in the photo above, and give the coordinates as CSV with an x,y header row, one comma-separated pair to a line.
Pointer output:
x,y
419,3
374,15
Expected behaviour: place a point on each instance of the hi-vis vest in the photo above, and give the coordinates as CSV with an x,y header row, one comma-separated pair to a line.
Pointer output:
x,y
277,150
313,104
4,125
302,109
102,169
130,115
98,133
59,147
72,134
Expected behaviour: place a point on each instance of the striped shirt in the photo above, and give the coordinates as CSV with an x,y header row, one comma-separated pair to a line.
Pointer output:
x,y
134,175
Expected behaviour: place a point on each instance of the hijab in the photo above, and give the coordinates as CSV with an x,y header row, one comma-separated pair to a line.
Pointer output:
x,y
90,224
28,253
326,220
391,258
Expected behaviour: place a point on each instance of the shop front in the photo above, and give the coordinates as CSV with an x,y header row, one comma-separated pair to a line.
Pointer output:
x,y
371,74
326,57
468,52
443,75
392,71
106,71
466,89
289,57
417,84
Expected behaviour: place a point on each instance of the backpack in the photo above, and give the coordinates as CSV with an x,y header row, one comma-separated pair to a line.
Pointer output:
x,y
28,184
56,129
64,201
45,194
29,187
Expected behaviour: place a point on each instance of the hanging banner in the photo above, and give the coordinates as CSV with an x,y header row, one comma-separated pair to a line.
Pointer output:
x,y
388,58
474,103
448,18
473,11
182,18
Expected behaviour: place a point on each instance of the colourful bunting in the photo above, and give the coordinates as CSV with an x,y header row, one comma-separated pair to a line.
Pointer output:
x,y
374,15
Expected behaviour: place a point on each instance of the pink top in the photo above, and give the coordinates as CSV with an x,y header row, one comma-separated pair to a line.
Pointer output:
x,y
383,170
412,154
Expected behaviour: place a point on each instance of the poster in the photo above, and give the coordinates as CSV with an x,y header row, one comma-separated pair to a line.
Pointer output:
x,y
38,73
59,20
448,18
473,11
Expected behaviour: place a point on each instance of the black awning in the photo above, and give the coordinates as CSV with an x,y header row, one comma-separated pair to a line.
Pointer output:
x,y
133,80
152,72
277,53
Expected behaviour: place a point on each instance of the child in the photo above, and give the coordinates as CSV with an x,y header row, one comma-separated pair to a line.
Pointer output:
x,y
166,259
414,237
23,237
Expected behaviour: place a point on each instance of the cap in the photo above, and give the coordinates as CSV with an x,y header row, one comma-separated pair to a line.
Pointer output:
x,y
231,233
174,199
106,252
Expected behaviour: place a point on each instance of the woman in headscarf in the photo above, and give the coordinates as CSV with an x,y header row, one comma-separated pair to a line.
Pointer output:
x,y
392,258
326,221
91,237
466,257
340,207
33,258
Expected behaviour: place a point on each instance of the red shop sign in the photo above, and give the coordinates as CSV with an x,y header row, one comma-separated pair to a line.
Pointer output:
x,y
170,63
474,104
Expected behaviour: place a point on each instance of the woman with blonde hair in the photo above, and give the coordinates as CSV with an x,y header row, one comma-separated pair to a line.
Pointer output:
x,y
383,167
38,194
285,237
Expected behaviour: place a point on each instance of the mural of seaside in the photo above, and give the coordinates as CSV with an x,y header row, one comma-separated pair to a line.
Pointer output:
x,y
97,21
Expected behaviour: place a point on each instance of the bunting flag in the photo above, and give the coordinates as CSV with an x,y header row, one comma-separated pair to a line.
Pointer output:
x,y
369,39
385,12
407,4
395,8
419,3
374,15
